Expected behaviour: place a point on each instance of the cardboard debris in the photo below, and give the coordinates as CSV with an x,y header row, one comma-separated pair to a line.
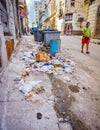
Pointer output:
x,y
42,56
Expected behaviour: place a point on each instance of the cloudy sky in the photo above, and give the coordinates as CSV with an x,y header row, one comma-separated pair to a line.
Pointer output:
x,y
30,6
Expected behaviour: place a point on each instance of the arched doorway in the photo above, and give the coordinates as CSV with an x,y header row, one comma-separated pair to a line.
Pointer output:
x,y
97,30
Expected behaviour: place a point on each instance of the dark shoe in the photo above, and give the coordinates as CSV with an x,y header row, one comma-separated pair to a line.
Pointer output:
x,y
82,51
87,52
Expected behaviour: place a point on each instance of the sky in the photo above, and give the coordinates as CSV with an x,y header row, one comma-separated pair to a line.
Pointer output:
x,y
30,7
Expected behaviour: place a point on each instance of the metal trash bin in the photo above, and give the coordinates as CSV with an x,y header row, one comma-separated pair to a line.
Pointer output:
x,y
50,35
38,35
55,46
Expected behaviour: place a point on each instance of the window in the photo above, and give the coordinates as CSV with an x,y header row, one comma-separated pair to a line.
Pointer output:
x,y
92,1
68,17
86,2
72,3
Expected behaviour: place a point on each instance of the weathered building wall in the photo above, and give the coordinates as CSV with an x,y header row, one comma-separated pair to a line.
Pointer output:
x,y
60,9
8,29
93,17
11,18
37,7
3,54
16,17
51,20
69,13
23,16
74,16
86,8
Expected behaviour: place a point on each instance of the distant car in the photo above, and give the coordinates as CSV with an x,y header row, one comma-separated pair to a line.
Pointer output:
x,y
34,29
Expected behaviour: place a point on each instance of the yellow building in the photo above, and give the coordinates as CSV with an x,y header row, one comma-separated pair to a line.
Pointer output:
x,y
51,19
86,8
60,9
23,14
92,12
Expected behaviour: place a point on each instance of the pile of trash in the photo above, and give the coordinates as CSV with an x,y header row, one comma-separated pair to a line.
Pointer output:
x,y
43,62
40,61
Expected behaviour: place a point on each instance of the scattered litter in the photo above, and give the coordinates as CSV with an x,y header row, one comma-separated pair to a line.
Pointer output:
x,y
68,70
69,96
24,74
28,86
47,117
72,63
26,89
63,120
84,89
18,78
67,79
40,61
59,71
63,101
40,90
30,94
74,88
39,116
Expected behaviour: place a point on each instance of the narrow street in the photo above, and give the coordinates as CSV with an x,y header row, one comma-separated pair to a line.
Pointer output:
x,y
61,104
88,63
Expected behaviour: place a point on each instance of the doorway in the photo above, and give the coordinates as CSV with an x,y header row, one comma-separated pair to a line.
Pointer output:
x,y
66,27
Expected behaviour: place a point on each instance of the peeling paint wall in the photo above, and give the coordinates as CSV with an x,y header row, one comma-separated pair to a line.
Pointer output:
x,y
2,46
93,15
11,18
9,27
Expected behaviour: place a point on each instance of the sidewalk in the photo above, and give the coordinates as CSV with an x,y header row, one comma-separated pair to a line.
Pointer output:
x,y
23,112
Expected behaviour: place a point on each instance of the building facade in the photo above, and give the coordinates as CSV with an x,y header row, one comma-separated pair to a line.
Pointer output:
x,y
74,16
42,13
23,16
9,29
94,17
86,8
50,15
37,8
64,13
60,12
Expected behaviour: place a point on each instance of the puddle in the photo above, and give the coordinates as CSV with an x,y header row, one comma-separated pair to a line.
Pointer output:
x,y
74,88
63,102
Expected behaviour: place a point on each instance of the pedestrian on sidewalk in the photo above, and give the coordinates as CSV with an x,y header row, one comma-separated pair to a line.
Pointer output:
x,y
68,30
86,38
